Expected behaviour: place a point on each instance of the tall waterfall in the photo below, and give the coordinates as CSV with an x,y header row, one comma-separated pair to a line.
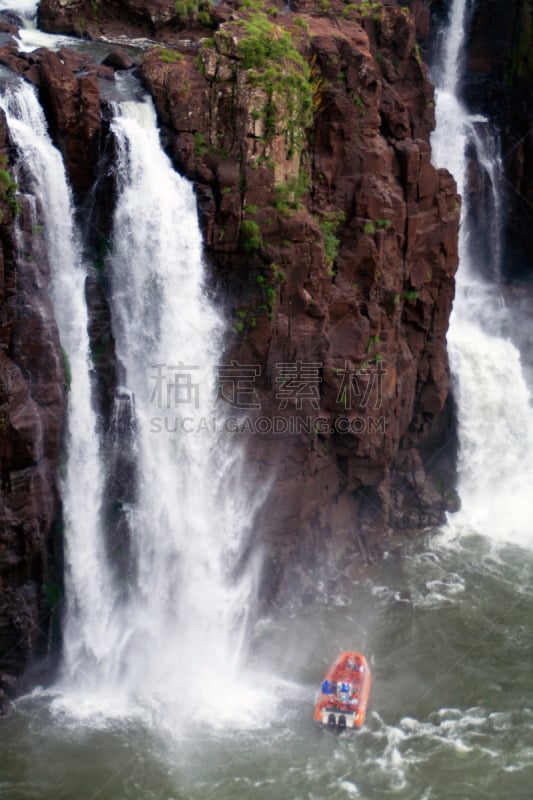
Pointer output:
x,y
188,603
494,411
88,587
165,637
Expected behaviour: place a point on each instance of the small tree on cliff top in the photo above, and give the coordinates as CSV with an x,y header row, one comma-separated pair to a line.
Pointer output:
x,y
269,54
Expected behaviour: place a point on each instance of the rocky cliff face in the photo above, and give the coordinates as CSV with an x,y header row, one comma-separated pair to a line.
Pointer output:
x,y
163,20
334,241
331,242
498,83
32,405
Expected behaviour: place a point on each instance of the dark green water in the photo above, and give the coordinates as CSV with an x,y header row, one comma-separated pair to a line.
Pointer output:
x,y
449,635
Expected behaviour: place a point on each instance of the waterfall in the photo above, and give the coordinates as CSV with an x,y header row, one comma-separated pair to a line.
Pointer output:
x,y
181,601
88,588
166,627
29,36
494,410
186,613
27,9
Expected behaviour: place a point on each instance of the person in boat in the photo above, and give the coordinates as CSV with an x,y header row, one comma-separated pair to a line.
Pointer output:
x,y
343,691
355,664
342,695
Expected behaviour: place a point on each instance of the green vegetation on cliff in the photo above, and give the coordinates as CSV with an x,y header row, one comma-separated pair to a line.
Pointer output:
x,y
268,55
192,10
329,226
169,56
8,189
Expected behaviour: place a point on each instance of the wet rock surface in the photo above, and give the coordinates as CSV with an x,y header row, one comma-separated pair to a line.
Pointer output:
x,y
339,253
32,409
332,245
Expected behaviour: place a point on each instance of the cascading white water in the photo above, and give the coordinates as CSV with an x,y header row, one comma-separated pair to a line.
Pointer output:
x,y
29,36
88,588
494,412
183,618
172,635
27,9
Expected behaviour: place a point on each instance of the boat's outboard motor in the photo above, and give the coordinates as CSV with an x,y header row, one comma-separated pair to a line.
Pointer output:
x,y
331,721
342,723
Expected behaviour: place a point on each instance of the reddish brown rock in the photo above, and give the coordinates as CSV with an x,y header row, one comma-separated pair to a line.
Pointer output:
x,y
157,19
72,105
369,468
118,60
69,92
8,27
32,407
334,243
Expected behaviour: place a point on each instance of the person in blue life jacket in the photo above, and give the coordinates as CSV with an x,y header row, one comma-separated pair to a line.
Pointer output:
x,y
343,691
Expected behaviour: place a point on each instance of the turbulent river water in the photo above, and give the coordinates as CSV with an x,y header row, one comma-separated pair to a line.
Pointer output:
x,y
447,629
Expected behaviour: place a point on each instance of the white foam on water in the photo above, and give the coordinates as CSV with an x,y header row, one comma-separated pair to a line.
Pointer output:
x,y
31,39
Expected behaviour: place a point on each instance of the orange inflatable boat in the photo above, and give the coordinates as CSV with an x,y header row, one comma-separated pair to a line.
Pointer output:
x,y
344,693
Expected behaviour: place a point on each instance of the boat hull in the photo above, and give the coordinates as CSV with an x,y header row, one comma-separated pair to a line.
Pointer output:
x,y
343,699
